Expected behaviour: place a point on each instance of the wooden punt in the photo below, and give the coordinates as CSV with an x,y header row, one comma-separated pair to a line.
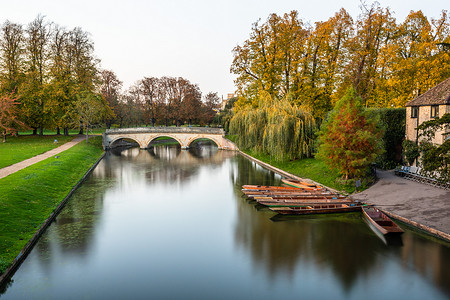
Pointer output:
x,y
300,198
300,184
380,222
291,195
272,188
317,209
305,202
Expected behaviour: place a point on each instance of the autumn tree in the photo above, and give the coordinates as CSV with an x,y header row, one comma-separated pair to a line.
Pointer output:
x,y
192,106
349,141
419,60
149,88
90,109
33,90
11,56
211,107
271,60
374,31
9,121
73,69
110,90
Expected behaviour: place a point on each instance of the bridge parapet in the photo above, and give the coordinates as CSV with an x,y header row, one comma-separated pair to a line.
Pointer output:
x,y
184,135
191,130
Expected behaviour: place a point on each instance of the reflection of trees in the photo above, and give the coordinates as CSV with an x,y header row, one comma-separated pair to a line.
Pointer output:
x,y
428,257
328,242
249,172
74,227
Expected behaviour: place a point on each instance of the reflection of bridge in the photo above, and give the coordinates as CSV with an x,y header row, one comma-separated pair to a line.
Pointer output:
x,y
183,135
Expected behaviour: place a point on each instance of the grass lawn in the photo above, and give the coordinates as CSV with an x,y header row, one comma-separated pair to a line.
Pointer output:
x,y
19,148
29,196
311,168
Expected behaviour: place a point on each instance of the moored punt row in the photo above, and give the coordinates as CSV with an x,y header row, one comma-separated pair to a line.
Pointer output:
x,y
302,198
317,209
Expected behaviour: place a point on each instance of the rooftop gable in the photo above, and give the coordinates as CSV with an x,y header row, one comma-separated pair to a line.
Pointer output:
x,y
438,95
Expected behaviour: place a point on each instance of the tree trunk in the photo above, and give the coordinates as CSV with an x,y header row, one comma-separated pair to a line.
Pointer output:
x,y
87,133
41,130
34,130
66,131
58,131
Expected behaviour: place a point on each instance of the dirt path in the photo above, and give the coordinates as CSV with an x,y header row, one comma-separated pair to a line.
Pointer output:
x,y
414,201
28,162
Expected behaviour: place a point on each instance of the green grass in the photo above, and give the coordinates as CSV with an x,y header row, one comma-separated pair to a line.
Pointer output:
x,y
311,168
29,196
19,148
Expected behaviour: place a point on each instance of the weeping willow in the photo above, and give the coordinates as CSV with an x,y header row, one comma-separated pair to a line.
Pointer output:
x,y
278,128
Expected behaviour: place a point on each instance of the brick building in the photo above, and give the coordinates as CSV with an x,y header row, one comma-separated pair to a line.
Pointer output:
x,y
432,104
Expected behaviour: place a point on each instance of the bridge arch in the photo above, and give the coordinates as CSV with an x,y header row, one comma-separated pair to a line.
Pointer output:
x,y
117,139
164,135
194,139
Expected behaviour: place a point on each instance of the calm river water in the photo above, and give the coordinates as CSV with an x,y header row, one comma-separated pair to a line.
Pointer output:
x,y
172,224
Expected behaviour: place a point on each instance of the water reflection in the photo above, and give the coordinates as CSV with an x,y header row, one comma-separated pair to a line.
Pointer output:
x,y
342,243
172,219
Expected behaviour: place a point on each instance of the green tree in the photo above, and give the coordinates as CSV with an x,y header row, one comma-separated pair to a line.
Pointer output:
x,y
436,158
32,91
283,130
349,141
90,109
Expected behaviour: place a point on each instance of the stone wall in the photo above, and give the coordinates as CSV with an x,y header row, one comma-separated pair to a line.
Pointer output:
x,y
424,115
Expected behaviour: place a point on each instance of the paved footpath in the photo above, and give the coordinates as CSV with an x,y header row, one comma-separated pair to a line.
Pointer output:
x,y
28,162
417,202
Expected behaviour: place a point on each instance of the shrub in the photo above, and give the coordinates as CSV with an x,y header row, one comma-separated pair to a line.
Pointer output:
x,y
392,121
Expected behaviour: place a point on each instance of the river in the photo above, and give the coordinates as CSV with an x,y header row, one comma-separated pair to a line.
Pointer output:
x,y
173,224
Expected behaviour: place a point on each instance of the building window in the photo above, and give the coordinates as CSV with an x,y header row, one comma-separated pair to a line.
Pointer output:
x,y
414,111
435,111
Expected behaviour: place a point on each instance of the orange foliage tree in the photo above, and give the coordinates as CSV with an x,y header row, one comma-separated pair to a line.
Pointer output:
x,y
349,140
9,123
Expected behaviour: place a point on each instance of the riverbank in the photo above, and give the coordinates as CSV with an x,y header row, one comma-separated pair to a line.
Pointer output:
x,y
420,205
28,197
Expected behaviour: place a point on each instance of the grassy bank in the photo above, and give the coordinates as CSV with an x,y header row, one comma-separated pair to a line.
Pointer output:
x,y
19,148
312,168
28,197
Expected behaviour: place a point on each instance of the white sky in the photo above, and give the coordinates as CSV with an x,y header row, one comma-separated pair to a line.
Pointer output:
x,y
191,38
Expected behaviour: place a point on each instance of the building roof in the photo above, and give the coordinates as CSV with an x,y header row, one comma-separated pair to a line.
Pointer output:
x,y
440,94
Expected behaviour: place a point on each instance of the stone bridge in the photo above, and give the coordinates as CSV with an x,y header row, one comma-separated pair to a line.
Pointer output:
x,y
184,135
